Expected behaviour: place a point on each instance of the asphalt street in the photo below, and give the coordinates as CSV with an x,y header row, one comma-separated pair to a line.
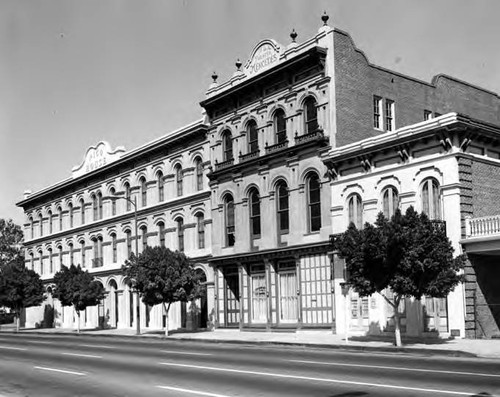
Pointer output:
x,y
78,365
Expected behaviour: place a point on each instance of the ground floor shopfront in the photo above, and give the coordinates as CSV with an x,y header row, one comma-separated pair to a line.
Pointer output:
x,y
286,288
119,309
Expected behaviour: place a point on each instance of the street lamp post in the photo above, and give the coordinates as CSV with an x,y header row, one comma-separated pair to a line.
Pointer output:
x,y
138,308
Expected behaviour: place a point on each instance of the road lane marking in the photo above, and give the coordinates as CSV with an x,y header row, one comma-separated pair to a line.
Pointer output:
x,y
187,353
81,355
309,378
395,368
99,346
200,393
12,348
42,342
61,370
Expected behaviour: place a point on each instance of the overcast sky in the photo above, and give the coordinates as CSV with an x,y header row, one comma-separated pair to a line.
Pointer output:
x,y
75,72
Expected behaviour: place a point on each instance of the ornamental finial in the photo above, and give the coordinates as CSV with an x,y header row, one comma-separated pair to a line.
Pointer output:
x,y
293,35
325,19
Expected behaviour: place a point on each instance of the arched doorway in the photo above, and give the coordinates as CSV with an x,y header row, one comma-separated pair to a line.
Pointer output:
x,y
203,301
113,304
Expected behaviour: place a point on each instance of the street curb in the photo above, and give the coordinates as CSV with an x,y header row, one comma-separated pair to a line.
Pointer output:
x,y
346,347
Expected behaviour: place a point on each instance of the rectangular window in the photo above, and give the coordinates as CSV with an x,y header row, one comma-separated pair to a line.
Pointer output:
x,y
389,115
427,115
377,112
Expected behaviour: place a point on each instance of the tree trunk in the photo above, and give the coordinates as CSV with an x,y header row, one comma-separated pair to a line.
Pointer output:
x,y
18,321
167,308
78,314
397,330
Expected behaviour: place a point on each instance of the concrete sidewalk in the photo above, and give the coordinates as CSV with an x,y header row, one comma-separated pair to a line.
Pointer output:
x,y
487,348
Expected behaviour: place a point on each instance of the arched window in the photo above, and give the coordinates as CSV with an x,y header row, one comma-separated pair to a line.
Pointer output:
x,y
252,137
144,192
41,262
82,211
178,180
128,197
200,223
314,202
70,212
112,192
49,218
199,174
161,186
144,238
60,257
161,232
40,219
99,205
390,201
114,248
71,254
282,204
180,233
60,213
95,207
32,261
98,259
355,210
32,227
431,198
311,115
229,215
82,248
51,261
128,239
227,145
254,214
280,126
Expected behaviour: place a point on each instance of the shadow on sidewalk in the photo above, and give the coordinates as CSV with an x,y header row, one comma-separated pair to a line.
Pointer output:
x,y
406,340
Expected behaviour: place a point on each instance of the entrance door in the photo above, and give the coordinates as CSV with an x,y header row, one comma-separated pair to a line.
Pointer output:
x,y
359,311
232,298
259,298
288,296
435,314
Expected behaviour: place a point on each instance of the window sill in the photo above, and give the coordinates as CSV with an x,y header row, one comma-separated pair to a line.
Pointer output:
x,y
311,233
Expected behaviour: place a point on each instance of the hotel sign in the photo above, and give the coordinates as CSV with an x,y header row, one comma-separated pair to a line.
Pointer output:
x,y
96,157
265,55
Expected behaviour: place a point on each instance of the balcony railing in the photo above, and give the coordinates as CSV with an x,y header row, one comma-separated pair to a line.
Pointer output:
x,y
276,147
249,156
480,227
224,164
310,136
97,262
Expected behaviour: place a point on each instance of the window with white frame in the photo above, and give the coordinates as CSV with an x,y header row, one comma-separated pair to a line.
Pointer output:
x,y
199,174
229,220
355,210
200,221
144,192
377,112
178,179
283,206
50,220
180,233
227,145
280,126
128,197
60,212
252,137
254,213
314,202
431,198
390,201
161,232
114,248
311,115
161,186
389,115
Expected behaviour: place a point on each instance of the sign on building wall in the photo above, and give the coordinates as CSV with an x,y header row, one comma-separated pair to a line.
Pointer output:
x,y
96,157
265,55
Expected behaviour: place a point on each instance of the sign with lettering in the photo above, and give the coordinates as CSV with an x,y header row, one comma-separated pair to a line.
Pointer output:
x,y
96,157
265,55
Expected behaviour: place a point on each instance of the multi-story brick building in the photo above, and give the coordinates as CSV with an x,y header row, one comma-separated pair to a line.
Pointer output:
x,y
301,140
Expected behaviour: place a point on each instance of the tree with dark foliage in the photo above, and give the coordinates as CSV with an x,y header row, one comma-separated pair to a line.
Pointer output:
x,y
163,277
410,254
19,287
77,288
